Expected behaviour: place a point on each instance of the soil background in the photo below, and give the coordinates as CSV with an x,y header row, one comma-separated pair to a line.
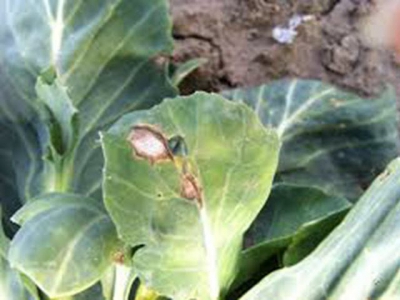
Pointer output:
x,y
235,36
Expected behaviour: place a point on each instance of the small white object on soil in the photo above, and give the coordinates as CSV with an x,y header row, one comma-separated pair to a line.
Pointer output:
x,y
286,35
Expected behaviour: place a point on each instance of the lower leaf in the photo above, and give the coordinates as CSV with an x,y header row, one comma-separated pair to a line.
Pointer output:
x,y
65,245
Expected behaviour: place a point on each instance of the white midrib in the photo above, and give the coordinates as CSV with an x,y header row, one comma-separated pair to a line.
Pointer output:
x,y
122,277
211,254
57,29
288,104
288,121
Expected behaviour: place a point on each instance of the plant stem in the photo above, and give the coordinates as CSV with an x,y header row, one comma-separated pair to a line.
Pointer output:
x,y
122,280
64,175
59,175
211,253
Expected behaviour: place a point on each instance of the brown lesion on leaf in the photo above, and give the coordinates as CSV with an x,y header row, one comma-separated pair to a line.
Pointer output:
x,y
119,257
149,143
191,188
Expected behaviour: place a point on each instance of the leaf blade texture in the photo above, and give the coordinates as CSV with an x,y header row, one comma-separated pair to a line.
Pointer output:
x,y
189,211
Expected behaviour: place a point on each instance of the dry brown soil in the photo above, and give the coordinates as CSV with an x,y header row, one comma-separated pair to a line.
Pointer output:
x,y
236,38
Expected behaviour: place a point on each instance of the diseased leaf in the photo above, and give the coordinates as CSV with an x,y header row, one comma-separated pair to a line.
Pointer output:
x,y
203,171
65,245
331,140
359,260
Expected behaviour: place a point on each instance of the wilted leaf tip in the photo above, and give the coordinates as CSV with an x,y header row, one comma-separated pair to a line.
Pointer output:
x,y
149,143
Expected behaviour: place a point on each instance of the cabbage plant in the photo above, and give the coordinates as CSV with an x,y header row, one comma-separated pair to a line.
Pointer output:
x,y
114,187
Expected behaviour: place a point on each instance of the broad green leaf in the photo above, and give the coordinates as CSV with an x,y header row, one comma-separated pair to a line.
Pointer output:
x,y
192,177
65,245
294,217
359,260
332,140
290,207
101,54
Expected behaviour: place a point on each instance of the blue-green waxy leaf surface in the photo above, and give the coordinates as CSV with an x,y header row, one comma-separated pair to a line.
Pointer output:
x,y
291,224
332,140
359,260
67,70
289,207
333,144
189,205
65,245
101,56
